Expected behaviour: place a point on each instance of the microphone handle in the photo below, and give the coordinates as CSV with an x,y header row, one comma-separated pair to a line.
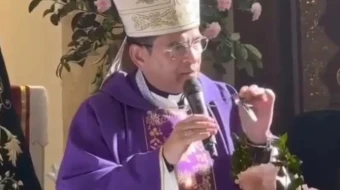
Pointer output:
x,y
210,146
199,107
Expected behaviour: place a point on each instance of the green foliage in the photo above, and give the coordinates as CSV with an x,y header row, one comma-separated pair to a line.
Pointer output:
x,y
227,46
242,159
94,31
91,32
291,162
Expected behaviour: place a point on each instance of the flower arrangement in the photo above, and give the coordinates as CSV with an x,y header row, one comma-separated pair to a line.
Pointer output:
x,y
262,177
97,27
282,172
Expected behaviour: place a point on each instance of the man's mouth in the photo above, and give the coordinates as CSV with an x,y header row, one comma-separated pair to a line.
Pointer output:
x,y
189,73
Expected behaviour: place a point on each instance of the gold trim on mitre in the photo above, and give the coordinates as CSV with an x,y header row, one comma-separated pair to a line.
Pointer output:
x,y
143,18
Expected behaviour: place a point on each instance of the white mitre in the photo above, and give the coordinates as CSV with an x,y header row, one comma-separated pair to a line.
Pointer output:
x,y
143,18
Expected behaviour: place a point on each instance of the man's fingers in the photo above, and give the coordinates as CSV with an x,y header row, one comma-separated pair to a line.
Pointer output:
x,y
197,117
194,132
243,91
198,137
197,125
253,93
253,88
270,94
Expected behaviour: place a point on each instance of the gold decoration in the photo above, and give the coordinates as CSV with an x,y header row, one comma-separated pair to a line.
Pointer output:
x,y
182,1
12,147
7,178
3,103
155,124
155,19
145,1
153,121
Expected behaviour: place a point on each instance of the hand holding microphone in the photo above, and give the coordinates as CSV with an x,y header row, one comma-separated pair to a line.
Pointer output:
x,y
193,92
197,127
193,128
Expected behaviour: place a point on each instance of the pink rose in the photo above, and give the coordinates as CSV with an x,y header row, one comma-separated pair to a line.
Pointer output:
x,y
261,177
223,5
256,9
212,30
102,5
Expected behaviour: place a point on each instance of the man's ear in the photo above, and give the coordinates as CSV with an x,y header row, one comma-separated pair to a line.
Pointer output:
x,y
137,55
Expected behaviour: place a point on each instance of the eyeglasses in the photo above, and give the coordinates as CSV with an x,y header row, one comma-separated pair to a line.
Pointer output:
x,y
179,50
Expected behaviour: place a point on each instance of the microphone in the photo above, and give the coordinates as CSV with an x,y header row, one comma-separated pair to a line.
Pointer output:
x,y
193,92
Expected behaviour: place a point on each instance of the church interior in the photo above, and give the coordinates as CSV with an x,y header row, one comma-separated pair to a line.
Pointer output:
x,y
299,42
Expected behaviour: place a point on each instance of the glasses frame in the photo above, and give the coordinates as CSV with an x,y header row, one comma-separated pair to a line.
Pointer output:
x,y
188,47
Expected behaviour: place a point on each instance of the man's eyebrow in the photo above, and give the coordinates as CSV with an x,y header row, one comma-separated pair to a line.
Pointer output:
x,y
173,43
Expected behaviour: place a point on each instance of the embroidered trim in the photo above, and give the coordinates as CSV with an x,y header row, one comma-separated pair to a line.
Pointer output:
x,y
11,146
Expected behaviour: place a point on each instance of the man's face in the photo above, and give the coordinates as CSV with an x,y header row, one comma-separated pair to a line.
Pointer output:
x,y
173,59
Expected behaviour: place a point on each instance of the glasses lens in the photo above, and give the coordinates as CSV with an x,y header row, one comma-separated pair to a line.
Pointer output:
x,y
204,43
180,50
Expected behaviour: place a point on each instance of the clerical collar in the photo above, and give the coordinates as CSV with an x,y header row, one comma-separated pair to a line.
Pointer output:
x,y
160,92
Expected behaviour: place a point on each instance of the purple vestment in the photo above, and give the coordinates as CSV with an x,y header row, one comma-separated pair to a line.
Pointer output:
x,y
115,139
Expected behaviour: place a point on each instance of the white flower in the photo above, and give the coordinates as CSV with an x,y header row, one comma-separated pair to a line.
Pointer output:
x,y
54,173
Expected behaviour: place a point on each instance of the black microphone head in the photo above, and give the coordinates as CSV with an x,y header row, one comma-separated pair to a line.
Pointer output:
x,y
191,86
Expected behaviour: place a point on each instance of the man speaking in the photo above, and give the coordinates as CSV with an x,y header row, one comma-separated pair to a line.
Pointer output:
x,y
136,133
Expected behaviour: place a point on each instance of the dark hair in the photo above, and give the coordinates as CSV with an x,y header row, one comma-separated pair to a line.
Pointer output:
x,y
142,41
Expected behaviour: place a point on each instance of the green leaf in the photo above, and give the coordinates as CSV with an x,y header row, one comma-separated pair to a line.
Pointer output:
x,y
86,20
259,64
241,65
241,52
67,67
235,37
79,34
81,63
72,43
253,50
224,53
249,69
296,183
210,14
66,9
85,47
245,4
76,19
54,19
219,68
50,10
283,139
33,5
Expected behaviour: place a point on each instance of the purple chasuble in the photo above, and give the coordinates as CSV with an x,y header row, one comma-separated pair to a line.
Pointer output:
x,y
116,135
